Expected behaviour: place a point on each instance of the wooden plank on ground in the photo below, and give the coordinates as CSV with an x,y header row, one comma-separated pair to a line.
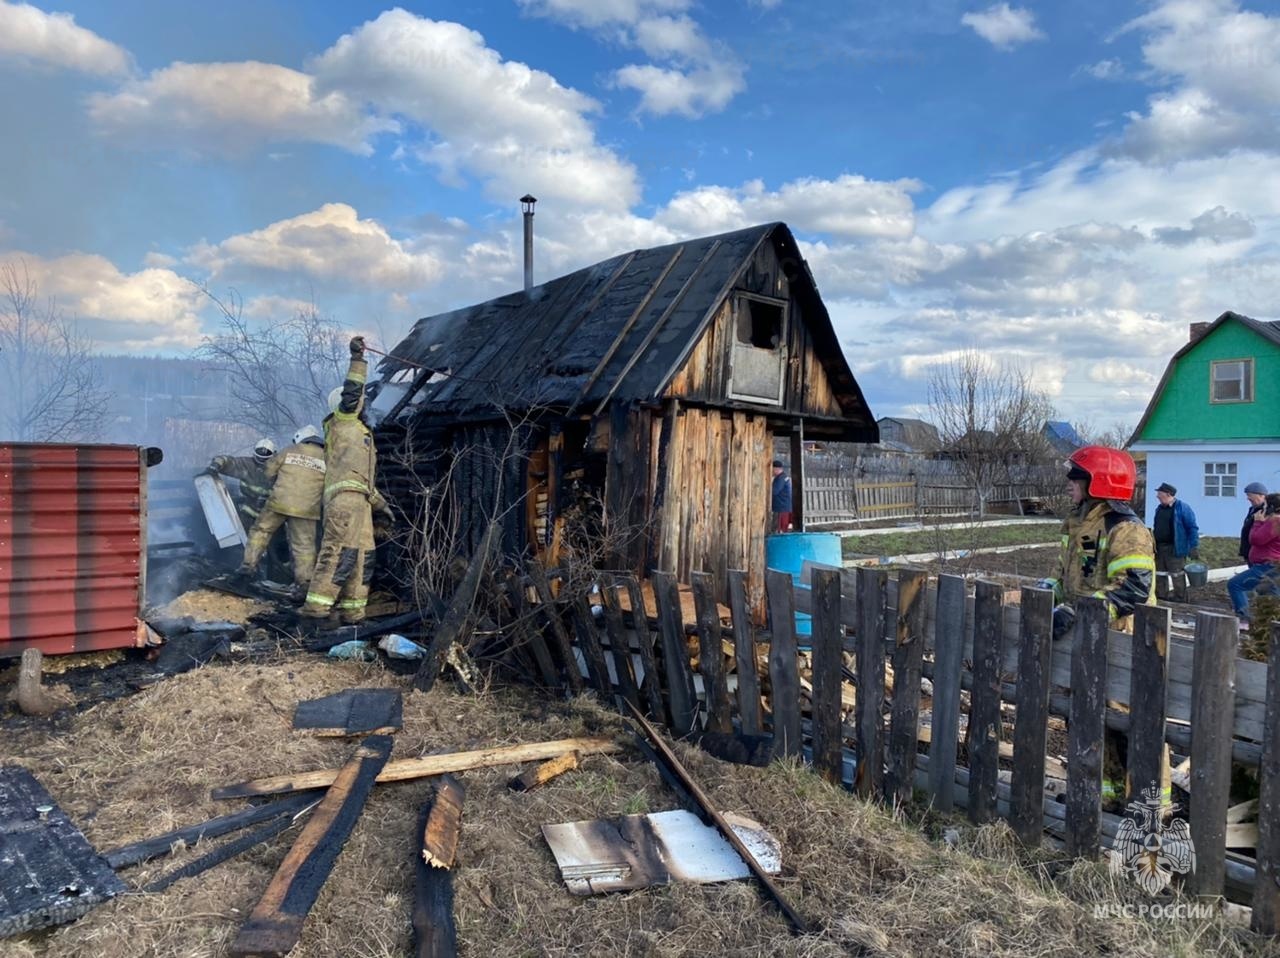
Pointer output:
x,y
710,655
784,671
908,651
1085,728
948,664
828,665
619,644
675,657
564,645
651,684
275,924
1146,758
540,774
984,708
435,933
744,654
410,768
1266,893
869,777
1212,705
1031,721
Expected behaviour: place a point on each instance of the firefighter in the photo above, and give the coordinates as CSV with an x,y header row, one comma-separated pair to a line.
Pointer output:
x,y
1107,552
255,487
344,566
297,473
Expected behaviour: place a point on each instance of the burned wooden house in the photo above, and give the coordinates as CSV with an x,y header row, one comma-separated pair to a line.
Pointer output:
x,y
631,406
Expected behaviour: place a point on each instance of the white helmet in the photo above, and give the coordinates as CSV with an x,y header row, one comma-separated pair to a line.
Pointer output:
x,y
335,397
305,433
264,449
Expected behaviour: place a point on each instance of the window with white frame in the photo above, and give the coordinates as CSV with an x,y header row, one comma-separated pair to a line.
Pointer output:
x,y
1220,479
1231,380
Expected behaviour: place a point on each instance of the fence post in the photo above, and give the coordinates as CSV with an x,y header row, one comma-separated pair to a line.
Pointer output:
x,y
948,654
592,650
907,653
711,655
869,781
1213,698
675,657
828,740
744,654
1148,679
1266,889
619,646
1031,722
984,709
1085,728
652,682
784,672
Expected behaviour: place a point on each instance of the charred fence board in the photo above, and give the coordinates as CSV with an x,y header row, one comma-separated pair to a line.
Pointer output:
x,y
1085,728
619,644
675,657
1266,896
948,653
908,652
984,709
1031,721
435,933
828,740
869,778
651,684
744,653
784,671
1146,759
592,651
711,656
564,645
528,634
1212,704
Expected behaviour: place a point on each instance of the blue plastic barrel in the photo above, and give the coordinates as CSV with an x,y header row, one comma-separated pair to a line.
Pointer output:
x,y
787,552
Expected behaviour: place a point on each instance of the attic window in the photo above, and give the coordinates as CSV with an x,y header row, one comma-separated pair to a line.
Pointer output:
x,y
761,321
1231,380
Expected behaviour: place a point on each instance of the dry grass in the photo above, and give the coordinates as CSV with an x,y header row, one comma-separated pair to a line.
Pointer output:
x,y
128,769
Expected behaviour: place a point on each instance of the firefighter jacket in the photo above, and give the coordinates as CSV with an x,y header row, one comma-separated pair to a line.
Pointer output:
x,y
255,487
298,473
1107,553
350,458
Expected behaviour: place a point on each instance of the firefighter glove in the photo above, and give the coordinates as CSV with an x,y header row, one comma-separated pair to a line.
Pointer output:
x,y
357,345
1064,617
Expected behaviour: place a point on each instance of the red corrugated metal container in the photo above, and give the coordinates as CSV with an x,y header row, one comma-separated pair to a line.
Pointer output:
x,y
72,546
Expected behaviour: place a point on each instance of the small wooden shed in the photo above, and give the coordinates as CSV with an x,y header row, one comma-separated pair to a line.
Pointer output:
x,y
637,400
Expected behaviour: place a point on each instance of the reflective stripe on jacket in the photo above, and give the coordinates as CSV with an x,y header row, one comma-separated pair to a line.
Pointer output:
x,y
1108,553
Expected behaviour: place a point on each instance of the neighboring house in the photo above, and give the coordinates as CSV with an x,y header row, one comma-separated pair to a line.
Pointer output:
x,y
908,435
642,394
1062,436
1212,426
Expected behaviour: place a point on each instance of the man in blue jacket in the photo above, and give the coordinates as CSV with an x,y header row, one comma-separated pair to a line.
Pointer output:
x,y
1177,537
780,498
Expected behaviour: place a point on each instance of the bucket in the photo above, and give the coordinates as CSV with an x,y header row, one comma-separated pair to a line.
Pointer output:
x,y
787,552
1197,573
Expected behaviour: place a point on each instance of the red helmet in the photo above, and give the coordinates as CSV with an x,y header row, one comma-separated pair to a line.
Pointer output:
x,y
1110,472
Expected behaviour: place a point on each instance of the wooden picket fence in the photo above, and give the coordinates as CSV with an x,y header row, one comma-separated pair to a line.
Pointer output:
x,y
830,499
1197,696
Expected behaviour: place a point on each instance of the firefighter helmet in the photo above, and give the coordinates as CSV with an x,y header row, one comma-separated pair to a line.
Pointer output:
x,y
305,433
1109,472
264,449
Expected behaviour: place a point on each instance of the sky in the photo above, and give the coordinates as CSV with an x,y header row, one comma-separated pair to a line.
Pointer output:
x,y
1061,186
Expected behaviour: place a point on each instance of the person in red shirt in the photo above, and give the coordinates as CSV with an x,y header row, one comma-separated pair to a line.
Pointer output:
x,y
1264,554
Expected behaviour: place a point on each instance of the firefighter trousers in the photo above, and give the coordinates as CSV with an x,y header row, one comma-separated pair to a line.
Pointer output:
x,y
302,542
344,565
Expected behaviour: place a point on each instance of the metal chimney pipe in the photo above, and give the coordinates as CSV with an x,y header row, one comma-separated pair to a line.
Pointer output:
x,y
526,205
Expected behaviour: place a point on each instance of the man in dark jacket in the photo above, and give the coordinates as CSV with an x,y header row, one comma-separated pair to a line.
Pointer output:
x,y
781,498
1256,493
1177,537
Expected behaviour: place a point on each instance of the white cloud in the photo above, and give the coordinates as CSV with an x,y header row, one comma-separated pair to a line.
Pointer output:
x,y
1105,70
147,310
30,35
232,107
600,13
1113,371
331,245
1215,225
516,127
1004,27
690,93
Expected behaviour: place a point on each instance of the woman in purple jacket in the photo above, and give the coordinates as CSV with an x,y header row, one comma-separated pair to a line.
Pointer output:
x,y
1264,554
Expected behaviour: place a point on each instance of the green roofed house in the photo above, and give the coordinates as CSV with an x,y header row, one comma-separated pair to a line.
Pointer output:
x,y
1213,425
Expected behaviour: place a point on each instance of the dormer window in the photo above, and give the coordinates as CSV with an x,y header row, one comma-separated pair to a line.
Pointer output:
x,y
761,322
759,353
1231,380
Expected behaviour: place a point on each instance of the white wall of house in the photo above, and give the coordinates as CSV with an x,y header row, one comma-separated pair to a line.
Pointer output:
x,y
1183,466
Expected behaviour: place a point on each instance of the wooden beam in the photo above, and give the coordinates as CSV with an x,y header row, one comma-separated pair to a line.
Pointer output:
x,y
226,851
275,924
444,824
435,933
709,811
797,477
411,768
541,774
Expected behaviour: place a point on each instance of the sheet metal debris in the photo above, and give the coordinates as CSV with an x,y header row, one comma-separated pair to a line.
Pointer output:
x,y
220,512
637,851
49,873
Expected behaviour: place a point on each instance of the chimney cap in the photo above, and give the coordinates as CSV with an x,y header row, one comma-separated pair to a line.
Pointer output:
x,y
528,198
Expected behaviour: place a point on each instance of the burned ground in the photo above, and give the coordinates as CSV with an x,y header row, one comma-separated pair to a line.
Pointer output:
x,y
871,883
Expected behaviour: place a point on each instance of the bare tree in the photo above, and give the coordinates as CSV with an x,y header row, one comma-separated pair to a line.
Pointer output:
x,y
1116,435
990,419
281,371
53,390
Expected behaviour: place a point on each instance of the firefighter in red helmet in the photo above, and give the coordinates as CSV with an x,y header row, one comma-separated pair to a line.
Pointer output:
x,y
1107,552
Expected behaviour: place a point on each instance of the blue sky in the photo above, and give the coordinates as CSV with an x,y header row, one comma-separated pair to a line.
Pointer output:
x,y
1062,186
